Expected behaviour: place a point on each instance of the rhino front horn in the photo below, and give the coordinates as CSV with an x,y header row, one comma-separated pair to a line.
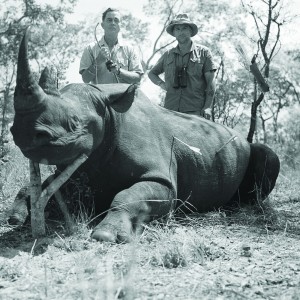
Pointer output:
x,y
28,94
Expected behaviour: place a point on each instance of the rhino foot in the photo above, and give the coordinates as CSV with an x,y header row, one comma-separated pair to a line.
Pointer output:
x,y
116,227
16,219
103,235
112,235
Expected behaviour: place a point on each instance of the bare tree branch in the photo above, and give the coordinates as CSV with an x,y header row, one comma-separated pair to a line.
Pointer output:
x,y
170,14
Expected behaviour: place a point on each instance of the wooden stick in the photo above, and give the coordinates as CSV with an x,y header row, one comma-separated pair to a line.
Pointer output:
x,y
70,226
37,212
40,198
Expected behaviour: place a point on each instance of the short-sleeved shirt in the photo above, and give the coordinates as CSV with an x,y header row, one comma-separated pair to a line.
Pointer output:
x,y
197,62
126,56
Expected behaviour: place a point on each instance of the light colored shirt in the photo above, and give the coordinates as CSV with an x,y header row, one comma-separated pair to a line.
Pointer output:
x,y
124,55
198,61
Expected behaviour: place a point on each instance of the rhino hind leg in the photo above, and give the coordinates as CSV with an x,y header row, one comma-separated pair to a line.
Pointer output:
x,y
260,177
19,211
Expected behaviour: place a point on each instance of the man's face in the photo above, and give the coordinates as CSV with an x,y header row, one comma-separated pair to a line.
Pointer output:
x,y
111,23
182,33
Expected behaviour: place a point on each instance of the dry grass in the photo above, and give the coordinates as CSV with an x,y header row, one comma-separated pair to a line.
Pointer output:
x,y
249,253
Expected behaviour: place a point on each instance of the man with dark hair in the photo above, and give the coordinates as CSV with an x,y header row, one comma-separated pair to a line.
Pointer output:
x,y
189,71
111,60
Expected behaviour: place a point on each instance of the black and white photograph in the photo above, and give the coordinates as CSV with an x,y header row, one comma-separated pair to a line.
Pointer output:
x,y
149,149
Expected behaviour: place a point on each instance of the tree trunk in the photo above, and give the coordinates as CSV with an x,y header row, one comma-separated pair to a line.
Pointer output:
x,y
3,136
258,79
254,106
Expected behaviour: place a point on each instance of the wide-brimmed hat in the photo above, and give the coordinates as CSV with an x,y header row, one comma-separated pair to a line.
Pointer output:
x,y
179,20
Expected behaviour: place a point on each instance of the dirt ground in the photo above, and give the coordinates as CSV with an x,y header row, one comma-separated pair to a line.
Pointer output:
x,y
249,253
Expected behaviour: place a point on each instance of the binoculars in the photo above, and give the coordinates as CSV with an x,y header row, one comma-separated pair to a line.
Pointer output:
x,y
180,78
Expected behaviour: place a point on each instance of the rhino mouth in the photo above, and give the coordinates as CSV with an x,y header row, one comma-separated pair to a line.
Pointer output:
x,y
52,154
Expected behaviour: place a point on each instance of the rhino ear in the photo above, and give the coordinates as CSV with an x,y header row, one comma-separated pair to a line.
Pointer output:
x,y
48,81
114,91
122,102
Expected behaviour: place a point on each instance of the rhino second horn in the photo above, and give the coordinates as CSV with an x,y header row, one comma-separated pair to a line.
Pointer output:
x,y
28,94
48,81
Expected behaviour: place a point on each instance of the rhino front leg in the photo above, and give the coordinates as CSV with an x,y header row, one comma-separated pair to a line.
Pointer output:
x,y
130,208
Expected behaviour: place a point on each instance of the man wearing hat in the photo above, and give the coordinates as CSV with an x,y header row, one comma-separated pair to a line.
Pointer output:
x,y
189,71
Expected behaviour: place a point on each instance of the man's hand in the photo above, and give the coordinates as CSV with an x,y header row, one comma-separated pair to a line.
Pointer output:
x,y
103,56
207,113
104,51
162,85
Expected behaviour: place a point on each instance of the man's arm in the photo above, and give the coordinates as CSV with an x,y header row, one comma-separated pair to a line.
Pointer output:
x,y
135,69
89,74
156,71
209,69
210,88
127,76
209,93
88,64
157,80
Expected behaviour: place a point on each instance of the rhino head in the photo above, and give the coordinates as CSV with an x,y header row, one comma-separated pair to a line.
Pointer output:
x,y
52,126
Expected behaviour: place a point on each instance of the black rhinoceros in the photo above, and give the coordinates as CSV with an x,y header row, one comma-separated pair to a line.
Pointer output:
x,y
141,157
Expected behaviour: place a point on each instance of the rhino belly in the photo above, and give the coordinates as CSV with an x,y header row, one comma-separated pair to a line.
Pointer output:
x,y
209,181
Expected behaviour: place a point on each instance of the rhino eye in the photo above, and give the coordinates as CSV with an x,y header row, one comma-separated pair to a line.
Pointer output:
x,y
74,123
42,137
